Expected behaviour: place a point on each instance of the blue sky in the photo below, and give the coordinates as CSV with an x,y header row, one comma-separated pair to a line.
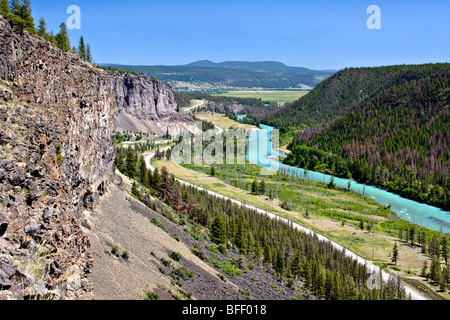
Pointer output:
x,y
319,34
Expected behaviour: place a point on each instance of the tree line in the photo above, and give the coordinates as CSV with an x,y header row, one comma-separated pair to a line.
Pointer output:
x,y
19,14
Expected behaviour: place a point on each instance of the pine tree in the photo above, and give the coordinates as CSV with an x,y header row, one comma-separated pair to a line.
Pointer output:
x,y
267,254
89,53
177,199
395,254
255,187
444,249
262,188
143,172
165,185
5,11
42,28
25,14
435,270
218,231
424,269
280,266
131,164
241,239
51,37
62,38
82,49
295,265
15,16
134,189
412,232
15,7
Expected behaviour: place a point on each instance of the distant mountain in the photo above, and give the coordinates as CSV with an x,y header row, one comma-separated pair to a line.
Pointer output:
x,y
235,74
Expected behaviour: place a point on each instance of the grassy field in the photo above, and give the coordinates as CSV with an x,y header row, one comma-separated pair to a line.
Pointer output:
x,y
222,121
271,96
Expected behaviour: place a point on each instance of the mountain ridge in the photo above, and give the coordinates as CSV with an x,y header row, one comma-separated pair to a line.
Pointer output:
x,y
233,74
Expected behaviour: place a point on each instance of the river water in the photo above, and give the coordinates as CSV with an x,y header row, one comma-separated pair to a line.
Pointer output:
x,y
418,213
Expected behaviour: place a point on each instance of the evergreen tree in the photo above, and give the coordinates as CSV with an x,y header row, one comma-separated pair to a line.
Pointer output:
x,y
82,49
51,37
143,172
25,14
218,231
262,188
42,28
280,266
433,248
435,270
131,164
177,199
241,238
444,249
255,187
395,254
412,232
134,189
165,184
15,16
424,269
15,7
5,11
89,53
62,38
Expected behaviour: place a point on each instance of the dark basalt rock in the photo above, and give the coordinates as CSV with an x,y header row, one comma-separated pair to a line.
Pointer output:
x,y
49,98
3,225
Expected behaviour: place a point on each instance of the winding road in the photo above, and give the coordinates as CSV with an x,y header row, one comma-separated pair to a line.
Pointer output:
x,y
199,104
370,266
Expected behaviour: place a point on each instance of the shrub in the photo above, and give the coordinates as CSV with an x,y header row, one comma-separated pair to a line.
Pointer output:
x,y
165,262
115,251
221,277
151,296
125,254
175,256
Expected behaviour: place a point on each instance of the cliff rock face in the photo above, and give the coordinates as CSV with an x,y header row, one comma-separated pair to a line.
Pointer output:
x,y
57,150
147,105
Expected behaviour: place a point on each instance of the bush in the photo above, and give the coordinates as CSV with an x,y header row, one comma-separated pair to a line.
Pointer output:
x,y
221,277
165,262
151,296
115,251
125,254
175,256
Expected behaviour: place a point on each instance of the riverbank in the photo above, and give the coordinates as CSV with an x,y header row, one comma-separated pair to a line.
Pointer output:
x,y
197,180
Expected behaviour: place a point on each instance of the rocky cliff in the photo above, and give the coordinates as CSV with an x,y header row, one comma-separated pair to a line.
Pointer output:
x,y
57,149
147,105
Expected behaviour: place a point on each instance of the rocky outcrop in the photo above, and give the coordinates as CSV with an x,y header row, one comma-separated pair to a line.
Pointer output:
x,y
148,105
57,149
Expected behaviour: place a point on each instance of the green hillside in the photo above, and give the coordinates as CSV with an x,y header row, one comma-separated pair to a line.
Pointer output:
x,y
387,126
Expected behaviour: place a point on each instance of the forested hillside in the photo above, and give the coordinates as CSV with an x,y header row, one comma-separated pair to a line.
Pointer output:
x,y
298,259
385,126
